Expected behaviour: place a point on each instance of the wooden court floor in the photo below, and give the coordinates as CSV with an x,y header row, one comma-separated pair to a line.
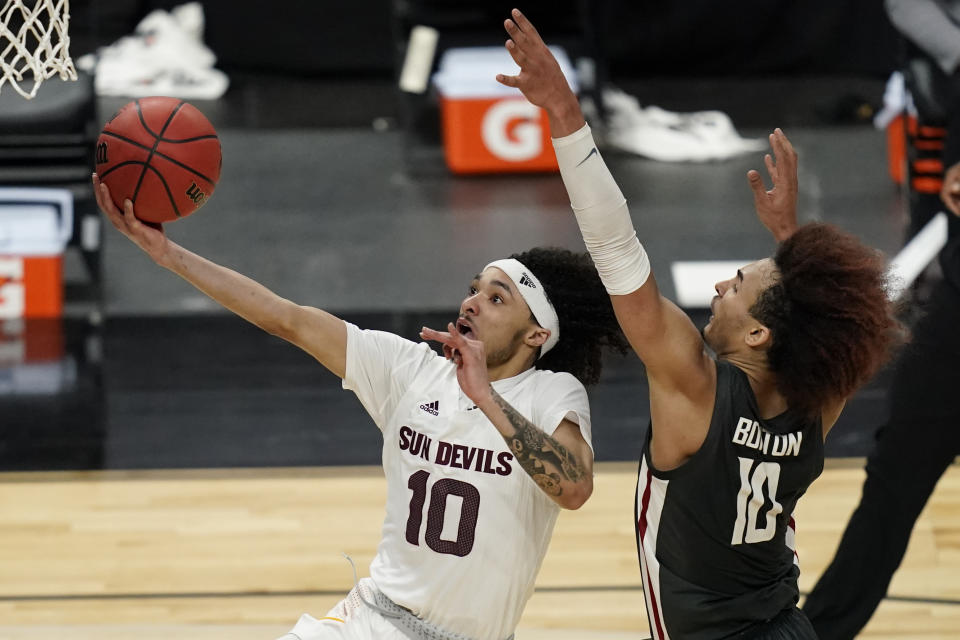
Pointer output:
x,y
239,554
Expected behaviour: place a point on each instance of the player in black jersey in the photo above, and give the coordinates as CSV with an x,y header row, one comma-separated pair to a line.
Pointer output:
x,y
739,412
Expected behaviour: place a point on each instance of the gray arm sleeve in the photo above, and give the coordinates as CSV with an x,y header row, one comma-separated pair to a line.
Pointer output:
x,y
932,25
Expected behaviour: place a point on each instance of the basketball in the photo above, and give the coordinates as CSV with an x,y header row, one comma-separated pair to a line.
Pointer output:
x,y
161,153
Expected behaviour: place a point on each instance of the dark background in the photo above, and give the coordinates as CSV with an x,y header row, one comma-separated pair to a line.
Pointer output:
x,y
324,200
641,38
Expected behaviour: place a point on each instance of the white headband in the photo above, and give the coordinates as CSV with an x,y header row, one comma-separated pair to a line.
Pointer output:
x,y
535,296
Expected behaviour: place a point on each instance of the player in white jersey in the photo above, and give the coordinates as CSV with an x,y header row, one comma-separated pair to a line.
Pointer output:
x,y
481,448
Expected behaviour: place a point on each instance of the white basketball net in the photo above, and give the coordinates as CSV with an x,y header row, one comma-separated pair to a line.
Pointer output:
x,y
34,44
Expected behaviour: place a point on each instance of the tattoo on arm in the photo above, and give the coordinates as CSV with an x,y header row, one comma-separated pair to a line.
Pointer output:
x,y
547,461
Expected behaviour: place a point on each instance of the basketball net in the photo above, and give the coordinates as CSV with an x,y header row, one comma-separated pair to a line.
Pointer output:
x,y
33,38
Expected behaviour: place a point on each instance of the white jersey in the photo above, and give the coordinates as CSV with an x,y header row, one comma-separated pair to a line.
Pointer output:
x,y
466,528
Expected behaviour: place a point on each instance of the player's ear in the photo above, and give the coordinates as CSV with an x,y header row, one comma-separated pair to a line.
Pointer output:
x,y
758,336
536,336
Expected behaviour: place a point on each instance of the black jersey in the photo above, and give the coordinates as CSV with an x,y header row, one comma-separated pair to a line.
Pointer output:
x,y
716,535
950,256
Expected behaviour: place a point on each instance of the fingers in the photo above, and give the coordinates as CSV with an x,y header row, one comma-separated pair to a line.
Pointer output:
x,y
525,25
432,334
450,337
784,152
518,56
450,353
128,211
96,188
522,32
516,35
451,340
771,167
756,185
129,217
102,193
518,41
454,343
513,30
782,166
510,81
457,341
439,336
127,222
784,143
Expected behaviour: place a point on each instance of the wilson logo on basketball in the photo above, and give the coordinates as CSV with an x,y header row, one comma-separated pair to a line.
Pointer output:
x,y
101,153
195,194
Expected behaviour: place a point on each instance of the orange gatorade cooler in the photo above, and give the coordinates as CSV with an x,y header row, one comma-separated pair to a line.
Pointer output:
x,y
35,225
488,127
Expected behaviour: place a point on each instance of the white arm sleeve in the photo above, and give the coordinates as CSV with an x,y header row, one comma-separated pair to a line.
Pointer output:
x,y
602,214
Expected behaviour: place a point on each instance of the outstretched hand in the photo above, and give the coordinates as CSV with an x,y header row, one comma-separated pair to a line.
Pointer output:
x,y
777,207
950,194
540,79
469,356
148,236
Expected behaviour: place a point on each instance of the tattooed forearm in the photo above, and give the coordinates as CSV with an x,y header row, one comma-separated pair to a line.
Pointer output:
x,y
547,461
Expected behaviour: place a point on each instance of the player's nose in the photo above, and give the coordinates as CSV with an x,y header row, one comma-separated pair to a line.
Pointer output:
x,y
470,305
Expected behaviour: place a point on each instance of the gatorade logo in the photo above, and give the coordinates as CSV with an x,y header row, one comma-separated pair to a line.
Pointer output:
x,y
511,130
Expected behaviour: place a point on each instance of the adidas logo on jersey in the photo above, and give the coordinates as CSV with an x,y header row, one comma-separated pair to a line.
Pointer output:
x,y
431,407
525,280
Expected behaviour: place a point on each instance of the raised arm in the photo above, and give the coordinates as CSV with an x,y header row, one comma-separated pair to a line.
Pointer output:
x,y
777,207
777,210
317,332
660,333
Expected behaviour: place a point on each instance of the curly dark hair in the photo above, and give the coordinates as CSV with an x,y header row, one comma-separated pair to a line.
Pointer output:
x,y
830,318
587,322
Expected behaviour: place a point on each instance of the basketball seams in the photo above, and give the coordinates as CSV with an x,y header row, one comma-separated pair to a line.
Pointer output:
x,y
166,187
209,136
156,143
143,121
125,139
144,147
185,166
104,174
166,136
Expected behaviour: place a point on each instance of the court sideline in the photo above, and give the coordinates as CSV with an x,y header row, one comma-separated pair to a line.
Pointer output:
x,y
240,553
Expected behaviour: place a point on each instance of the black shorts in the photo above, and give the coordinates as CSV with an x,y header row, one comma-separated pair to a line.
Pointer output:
x,y
789,624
